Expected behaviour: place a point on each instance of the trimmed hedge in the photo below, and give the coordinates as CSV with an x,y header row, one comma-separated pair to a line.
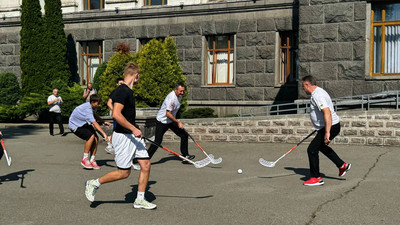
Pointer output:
x,y
10,91
198,113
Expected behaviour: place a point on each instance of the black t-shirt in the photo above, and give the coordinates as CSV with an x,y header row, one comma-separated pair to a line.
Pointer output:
x,y
124,95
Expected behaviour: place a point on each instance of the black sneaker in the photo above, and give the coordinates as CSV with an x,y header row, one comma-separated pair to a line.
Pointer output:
x,y
190,157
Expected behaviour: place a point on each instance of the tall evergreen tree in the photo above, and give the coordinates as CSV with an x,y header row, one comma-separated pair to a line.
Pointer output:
x,y
32,53
56,42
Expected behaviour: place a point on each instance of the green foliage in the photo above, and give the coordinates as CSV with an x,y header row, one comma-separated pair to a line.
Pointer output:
x,y
72,97
198,113
96,79
32,54
10,91
159,72
115,69
55,43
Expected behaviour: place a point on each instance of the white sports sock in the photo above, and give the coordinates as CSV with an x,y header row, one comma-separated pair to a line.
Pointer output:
x,y
92,158
140,195
97,183
85,155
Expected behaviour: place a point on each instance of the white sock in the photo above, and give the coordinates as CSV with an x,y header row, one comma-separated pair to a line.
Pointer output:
x,y
97,183
140,195
92,158
85,155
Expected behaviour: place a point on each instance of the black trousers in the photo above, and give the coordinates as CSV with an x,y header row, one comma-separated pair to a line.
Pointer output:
x,y
56,117
1,151
160,131
318,145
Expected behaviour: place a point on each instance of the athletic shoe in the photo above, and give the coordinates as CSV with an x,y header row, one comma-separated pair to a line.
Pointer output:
x,y
143,204
343,170
94,165
90,190
110,149
314,181
85,163
190,157
136,166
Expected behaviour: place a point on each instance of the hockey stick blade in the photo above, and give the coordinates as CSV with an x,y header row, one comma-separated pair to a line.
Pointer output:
x,y
8,158
266,163
213,160
202,163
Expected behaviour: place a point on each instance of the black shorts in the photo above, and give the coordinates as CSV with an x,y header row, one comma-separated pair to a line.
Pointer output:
x,y
85,132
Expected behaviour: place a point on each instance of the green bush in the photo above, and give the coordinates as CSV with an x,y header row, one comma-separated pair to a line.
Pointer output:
x,y
159,72
198,113
10,91
96,79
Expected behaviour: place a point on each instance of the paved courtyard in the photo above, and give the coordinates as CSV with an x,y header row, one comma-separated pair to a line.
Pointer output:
x,y
45,185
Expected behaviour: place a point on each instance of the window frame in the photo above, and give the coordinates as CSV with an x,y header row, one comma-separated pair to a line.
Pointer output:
x,y
383,23
229,50
290,64
86,67
164,2
88,5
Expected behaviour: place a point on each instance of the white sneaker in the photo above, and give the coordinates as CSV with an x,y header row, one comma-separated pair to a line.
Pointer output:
x,y
136,166
90,190
110,149
143,204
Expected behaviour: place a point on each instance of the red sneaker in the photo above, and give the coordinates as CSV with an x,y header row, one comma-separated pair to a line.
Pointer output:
x,y
85,163
314,181
94,165
342,170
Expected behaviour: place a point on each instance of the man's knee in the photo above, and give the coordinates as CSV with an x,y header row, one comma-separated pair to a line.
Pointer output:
x,y
144,165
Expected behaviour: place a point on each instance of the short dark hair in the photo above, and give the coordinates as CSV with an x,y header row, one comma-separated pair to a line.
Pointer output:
x,y
181,84
310,79
94,98
119,79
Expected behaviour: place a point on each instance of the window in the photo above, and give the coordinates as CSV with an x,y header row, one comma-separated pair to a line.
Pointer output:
x,y
385,39
155,2
93,4
219,60
286,58
90,60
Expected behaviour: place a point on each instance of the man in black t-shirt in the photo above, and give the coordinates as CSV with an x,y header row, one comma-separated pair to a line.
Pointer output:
x,y
127,141
110,148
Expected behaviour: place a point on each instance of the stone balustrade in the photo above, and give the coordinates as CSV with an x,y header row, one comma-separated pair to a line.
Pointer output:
x,y
358,128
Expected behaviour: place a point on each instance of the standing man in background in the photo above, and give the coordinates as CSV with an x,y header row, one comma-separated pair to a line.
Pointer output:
x,y
166,119
326,121
55,101
88,92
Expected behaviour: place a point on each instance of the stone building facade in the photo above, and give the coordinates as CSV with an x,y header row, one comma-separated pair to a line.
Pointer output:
x,y
266,46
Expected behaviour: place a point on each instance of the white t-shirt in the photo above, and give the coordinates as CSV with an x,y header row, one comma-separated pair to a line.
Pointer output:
x,y
55,107
91,92
171,103
320,99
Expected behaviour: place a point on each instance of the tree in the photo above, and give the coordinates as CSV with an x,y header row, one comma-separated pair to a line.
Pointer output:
x,y
32,47
56,43
159,71
9,89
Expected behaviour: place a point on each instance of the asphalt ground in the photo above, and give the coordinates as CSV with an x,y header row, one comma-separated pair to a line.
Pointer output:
x,y
45,185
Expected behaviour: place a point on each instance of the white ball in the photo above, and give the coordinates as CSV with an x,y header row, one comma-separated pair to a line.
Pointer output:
x,y
240,171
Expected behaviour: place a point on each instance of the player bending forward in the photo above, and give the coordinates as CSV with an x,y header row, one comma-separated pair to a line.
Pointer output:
x,y
127,141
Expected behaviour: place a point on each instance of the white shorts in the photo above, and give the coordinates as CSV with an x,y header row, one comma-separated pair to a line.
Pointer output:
x,y
128,147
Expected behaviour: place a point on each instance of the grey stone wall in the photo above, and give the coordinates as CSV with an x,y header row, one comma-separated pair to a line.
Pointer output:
x,y
9,53
357,128
332,47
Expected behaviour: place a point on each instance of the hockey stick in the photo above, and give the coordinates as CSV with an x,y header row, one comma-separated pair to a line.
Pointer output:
x,y
5,152
272,164
198,164
210,156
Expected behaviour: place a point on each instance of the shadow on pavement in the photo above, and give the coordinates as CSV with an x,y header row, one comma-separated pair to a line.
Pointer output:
x,y
104,162
306,173
130,197
15,177
166,159
14,132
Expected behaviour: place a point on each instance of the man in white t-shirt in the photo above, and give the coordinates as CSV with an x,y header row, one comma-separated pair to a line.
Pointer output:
x,y
88,92
326,121
166,119
55,101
